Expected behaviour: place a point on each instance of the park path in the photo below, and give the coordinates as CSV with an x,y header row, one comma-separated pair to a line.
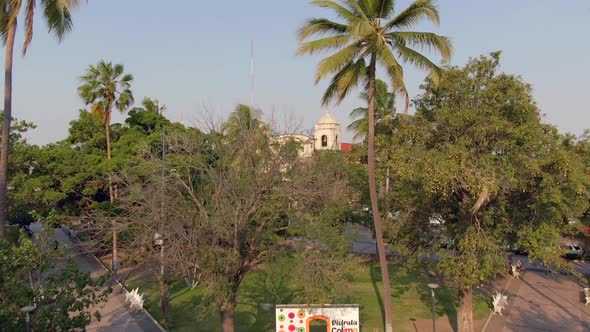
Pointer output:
x,y
542,301
114,313
363,242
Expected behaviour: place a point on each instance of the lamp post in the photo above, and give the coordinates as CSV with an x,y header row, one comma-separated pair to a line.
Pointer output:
x,y
432,287
158,237
28,310
159,240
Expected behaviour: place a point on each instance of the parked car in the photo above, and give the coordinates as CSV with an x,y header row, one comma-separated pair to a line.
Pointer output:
x,y
573,251
518,251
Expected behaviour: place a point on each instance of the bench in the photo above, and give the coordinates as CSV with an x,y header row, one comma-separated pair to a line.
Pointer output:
x,y
587,295
499,301
135,298
515,272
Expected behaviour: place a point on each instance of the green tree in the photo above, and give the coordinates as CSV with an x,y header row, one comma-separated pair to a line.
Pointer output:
x,y
372,34
243,118
384,109
65,297
59,21
148,117
477,155
65,177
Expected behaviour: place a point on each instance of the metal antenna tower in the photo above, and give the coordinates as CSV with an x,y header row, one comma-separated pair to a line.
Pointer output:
x,y
252,73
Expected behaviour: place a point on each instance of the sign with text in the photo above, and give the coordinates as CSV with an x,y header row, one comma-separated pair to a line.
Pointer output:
x,y
336,317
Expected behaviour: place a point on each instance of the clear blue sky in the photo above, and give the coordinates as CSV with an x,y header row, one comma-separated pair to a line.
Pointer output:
x,y
195,54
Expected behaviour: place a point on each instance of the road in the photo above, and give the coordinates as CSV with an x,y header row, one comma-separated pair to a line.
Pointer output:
x,y
543,301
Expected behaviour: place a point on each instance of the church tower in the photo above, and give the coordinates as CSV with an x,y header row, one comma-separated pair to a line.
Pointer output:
x,y
327,133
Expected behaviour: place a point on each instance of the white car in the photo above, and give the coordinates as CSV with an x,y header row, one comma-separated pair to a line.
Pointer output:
x,y
573,251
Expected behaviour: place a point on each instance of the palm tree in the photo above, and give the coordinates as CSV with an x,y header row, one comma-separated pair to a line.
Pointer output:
x,y
148,117
244,128
384,109
242,118
104,86
371,34
59,21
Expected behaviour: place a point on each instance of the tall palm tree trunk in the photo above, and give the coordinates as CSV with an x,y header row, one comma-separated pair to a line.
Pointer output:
x,y
107,129
6,126
374,199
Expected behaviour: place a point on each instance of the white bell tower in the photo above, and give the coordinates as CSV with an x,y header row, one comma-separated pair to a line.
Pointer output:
x,y
327,133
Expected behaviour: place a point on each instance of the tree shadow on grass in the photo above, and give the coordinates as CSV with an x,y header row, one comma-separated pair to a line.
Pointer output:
x,y
177,289
375,272
257,297
445,303
398,288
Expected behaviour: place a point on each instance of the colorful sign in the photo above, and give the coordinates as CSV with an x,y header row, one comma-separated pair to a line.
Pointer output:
x,y
298,317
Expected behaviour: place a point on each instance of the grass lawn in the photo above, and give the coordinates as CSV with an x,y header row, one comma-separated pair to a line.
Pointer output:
x,y
410,296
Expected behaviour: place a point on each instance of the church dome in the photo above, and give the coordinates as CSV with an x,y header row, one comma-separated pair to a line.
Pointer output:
x,y
327,119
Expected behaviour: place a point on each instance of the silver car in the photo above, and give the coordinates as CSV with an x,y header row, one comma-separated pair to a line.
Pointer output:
x,y
573,251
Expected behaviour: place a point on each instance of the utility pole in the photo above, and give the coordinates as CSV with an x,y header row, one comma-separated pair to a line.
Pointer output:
x,y
163,214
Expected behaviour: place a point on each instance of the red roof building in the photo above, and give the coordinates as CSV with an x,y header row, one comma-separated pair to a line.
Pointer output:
x,y
346,147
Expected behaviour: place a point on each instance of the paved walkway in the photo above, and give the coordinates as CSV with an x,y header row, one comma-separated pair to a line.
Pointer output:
x,y
363,242
543,301
114,313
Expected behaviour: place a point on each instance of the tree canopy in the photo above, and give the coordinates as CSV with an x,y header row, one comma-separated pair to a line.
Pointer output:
x,y
477,156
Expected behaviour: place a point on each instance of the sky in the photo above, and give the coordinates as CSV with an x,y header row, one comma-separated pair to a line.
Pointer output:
x,y
194,57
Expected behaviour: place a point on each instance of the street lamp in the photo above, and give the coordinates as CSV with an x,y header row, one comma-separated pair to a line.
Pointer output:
x,y
28,310
432,288
159,240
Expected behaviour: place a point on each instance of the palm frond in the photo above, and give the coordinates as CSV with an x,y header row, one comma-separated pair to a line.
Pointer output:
x,y
415,58
361,29
118,70
127,78
425,40
364,96
340,10
376,8
357,9
384,8
323,44
29,25
359,112
125,100
67,4
335,62
59,19
320,26
98,109
4,19
346,79
13,9
395,72
417,11
360,128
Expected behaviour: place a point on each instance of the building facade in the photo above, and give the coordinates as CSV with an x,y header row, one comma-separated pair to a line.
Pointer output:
x,y
326,137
